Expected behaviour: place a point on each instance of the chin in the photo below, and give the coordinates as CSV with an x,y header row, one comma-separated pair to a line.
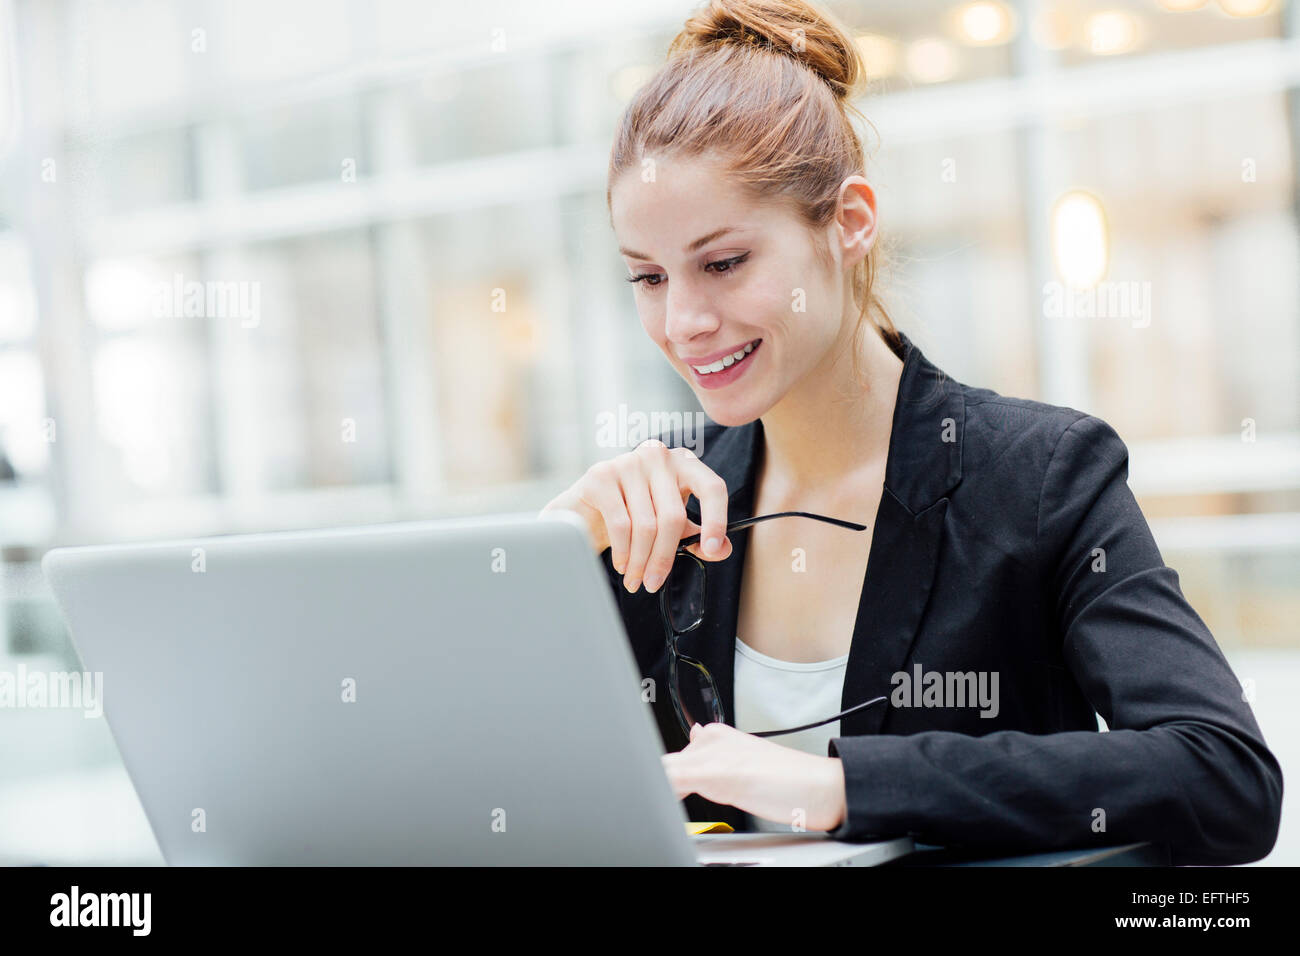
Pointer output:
x,y
730,413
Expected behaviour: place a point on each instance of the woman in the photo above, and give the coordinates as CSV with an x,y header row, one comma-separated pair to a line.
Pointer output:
x,y
1003,587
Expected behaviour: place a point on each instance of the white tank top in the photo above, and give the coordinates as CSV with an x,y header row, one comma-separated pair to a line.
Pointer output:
x,y
771,694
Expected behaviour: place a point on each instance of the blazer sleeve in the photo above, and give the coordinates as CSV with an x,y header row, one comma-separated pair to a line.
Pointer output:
x,y
1183,763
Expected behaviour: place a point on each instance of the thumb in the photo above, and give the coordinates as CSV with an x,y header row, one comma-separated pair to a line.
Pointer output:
x,y
697,548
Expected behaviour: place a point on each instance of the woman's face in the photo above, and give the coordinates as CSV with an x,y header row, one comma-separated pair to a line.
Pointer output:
x,y
757,290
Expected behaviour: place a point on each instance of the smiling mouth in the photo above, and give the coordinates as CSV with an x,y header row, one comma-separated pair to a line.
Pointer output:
x,y
727,360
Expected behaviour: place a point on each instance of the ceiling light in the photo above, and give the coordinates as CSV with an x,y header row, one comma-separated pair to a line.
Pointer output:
x,y
1111,32
931,60
985,23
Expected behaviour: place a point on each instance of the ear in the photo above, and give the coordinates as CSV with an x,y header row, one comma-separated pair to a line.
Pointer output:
x,y
855,219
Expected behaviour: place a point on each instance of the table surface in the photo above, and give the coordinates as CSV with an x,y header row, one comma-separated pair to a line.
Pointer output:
x,y
1129,854
94,818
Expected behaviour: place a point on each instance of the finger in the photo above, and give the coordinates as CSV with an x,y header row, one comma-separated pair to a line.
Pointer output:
x,y
700,480
670,515
602,494
697,549
688,530
640,507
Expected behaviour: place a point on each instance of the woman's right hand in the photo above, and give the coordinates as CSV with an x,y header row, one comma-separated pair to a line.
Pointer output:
x,y
634,505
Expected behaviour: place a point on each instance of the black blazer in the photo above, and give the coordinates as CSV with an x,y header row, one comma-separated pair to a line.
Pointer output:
x,y
983,560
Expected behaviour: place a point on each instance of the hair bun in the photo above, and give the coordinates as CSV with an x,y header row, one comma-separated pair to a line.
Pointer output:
x,y
792,28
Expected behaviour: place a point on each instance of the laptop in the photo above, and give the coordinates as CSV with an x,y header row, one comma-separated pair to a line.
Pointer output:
x,y
451,692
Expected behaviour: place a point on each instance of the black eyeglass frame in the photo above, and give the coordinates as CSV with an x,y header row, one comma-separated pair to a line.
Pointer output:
x,y
672,633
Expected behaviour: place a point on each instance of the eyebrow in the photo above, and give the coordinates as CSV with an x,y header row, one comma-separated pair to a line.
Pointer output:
x,y
691,247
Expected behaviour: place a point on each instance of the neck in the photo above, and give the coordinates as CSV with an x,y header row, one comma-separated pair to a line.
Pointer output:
x,y
830,428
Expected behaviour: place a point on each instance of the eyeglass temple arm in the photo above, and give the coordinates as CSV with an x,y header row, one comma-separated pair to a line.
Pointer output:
x,y
746,522
842,713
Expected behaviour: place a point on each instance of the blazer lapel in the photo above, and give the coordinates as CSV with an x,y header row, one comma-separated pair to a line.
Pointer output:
x,y
924,464
900,571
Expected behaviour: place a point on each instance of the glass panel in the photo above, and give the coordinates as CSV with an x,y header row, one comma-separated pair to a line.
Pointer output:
x,y
1198,203
303,143
24,433
304,389
486,110
138,171
488,320
150,381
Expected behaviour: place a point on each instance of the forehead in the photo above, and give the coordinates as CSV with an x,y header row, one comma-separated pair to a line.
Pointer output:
x,y
658,207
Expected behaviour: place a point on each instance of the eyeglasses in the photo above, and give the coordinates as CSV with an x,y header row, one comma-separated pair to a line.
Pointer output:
x,y
693,691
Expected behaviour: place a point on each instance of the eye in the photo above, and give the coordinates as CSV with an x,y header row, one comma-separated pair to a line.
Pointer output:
x,y
730,264
721,267
646,277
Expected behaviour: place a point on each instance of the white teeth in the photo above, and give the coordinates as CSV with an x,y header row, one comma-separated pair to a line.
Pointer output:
x,y
725,362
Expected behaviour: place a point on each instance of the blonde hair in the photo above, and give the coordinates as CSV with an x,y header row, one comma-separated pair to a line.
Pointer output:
x,y
766,85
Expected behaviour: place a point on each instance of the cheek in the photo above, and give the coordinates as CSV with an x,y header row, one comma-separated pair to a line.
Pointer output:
x,y
802,299
774,301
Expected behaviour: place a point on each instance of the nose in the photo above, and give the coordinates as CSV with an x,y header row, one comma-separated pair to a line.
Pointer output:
x,y
688,313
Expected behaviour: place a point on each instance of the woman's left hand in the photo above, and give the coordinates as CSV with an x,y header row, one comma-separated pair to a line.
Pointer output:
x,y
725,765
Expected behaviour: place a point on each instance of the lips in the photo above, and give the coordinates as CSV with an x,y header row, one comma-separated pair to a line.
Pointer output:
x,y
726,369
716,362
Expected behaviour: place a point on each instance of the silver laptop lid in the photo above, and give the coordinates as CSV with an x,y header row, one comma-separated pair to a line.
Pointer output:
x,y
448,692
